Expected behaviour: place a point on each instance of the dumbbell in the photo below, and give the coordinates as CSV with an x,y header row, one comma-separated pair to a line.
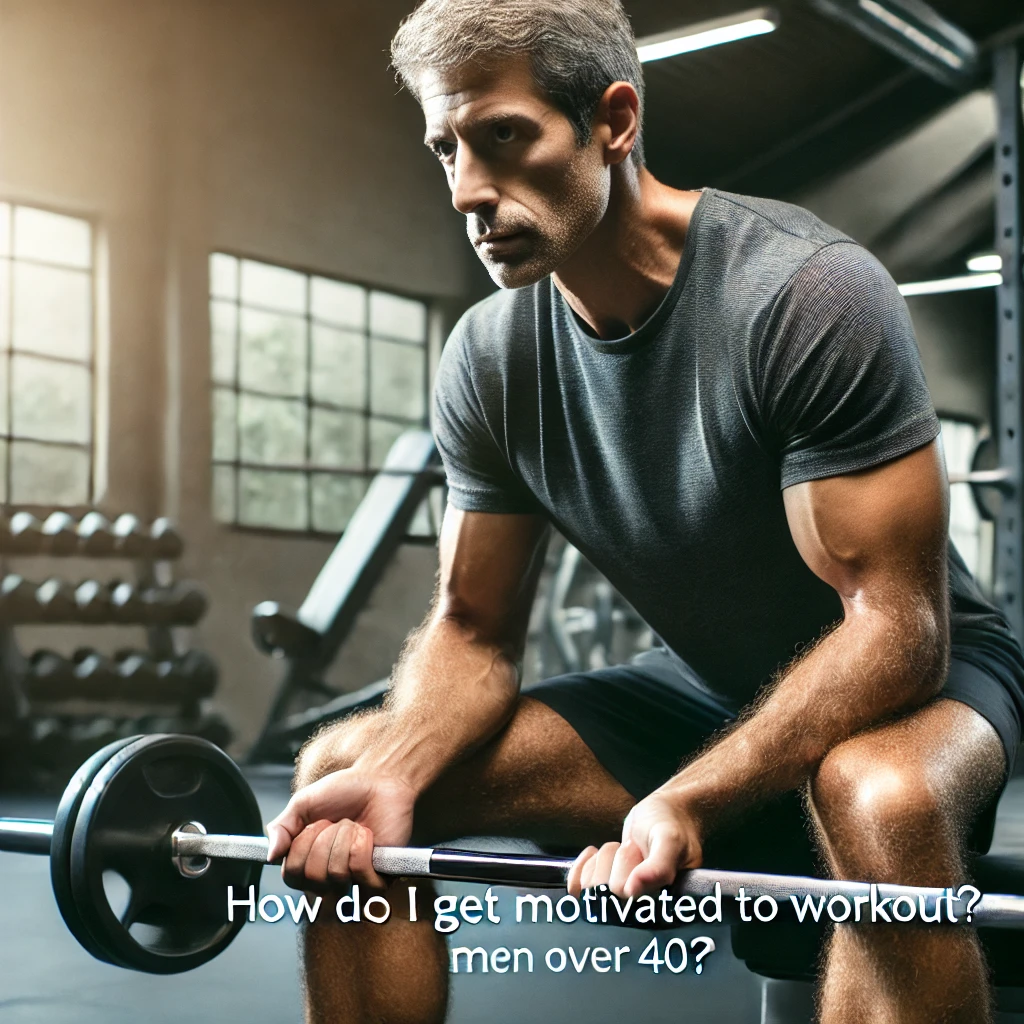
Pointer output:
x,y
55,601
130,540
167,543
50,675
137,675
181,604
92,602
188,678
18,599
25,534
97,677
95,536
60,534
126,603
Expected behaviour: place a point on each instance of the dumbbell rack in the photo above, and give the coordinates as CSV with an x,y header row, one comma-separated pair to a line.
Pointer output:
x,y
56,709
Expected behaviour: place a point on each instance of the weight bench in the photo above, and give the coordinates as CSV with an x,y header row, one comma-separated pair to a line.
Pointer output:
x,y
309,639
785,954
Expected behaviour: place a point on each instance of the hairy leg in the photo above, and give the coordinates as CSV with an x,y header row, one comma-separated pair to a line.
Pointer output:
x,y
895,804
536,780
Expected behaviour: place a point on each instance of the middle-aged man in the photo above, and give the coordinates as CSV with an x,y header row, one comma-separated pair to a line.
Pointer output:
x,y
719,401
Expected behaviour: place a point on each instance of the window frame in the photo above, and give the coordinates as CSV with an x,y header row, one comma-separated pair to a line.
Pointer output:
x,y
308,469
90,365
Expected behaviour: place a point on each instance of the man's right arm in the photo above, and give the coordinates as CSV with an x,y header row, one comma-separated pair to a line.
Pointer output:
x,y
455,686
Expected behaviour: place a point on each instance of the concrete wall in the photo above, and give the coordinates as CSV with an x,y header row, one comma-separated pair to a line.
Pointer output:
x,y
264,127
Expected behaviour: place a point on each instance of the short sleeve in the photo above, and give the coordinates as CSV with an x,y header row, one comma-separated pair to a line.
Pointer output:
x,y
842,388
467,400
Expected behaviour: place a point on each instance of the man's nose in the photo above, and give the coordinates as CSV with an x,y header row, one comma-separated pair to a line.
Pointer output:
x,y
472,186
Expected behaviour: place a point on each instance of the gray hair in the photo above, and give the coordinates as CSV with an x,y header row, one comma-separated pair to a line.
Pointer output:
x,y
577,48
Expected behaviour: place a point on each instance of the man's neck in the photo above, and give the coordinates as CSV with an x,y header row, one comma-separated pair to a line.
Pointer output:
x,y
616,280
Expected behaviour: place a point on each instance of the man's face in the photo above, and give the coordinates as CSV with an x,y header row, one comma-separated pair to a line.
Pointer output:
x,y
530,194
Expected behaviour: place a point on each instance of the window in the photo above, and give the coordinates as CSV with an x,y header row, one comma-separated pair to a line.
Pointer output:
x,y
46,357
313,380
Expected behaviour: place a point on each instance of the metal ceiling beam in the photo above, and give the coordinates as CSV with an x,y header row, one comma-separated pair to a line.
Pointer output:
x,y
914,32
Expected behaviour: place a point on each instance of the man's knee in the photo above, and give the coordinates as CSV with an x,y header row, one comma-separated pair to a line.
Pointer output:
x,y
334,748
881,815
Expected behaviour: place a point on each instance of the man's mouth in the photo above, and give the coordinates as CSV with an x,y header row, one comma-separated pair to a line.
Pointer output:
x,y
496,243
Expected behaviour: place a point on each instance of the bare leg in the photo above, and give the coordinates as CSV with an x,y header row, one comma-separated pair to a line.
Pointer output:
x,y
536,779
894,804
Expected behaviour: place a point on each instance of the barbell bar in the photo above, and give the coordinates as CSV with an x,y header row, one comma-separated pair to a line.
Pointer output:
x,y
138,809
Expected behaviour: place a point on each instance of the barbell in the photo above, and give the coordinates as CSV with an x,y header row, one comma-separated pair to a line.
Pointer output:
x,y
175,820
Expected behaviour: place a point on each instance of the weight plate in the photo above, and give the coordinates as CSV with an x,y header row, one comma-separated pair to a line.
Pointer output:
x,y
135,903
60,845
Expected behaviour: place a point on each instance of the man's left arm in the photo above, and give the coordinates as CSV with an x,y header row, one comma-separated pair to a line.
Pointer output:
x,y
879,538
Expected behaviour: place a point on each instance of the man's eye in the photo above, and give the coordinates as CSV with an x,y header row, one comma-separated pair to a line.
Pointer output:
x,y
504,133
443,150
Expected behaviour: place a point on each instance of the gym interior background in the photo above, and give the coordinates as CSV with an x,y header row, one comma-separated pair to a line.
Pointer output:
x,y
228,265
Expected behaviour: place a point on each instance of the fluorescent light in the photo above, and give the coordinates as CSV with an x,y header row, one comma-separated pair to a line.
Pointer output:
x,y
913,34
989,261
952,284
757,22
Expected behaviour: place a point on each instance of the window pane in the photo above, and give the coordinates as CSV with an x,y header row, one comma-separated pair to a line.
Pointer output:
x,y
339,367
272,430
5,424
45,475
338,303
3,471
224,494
51,400
52,311
5,303
41,235
337,439
397,380
225,425
223,334
335,497
273,287
273,499
396,317
273,356
223,276
5,229
383,434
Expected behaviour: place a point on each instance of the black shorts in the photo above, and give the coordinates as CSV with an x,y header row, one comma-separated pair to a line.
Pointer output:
x,y
644,719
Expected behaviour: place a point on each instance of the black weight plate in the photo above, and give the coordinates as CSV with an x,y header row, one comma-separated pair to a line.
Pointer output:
x,y
60,844
168,923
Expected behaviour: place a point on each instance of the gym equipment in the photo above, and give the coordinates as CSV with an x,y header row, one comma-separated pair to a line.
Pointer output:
x,y
60,534
96,677
55,601
138,675
181,604
195,672
310,638
166,543
175,819
24,534
95,536
17,598
92,602
50,676
125,603
130,540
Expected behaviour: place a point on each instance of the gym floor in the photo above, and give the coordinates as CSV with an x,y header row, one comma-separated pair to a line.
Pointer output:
x,y
48,979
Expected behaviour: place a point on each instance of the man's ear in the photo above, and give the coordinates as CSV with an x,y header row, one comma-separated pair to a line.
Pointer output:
x,y
616,121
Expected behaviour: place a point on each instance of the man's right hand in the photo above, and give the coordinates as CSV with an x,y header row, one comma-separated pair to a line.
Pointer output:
x,y
327,832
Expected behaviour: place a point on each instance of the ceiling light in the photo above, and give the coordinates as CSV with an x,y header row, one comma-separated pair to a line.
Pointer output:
x,y
757,22
952,284
987,261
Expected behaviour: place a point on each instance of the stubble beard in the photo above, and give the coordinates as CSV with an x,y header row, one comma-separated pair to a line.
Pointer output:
x,y
567,222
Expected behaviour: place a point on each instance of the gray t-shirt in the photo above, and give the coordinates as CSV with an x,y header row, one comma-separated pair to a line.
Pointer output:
x,y
782,352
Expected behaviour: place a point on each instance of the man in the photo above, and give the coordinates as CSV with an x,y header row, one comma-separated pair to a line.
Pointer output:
x,y
719,401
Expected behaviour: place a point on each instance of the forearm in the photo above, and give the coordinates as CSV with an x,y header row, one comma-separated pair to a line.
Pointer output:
x,y
452,691
871,667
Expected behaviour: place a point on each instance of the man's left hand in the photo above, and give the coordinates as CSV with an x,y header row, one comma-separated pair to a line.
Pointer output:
x,y
660,837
